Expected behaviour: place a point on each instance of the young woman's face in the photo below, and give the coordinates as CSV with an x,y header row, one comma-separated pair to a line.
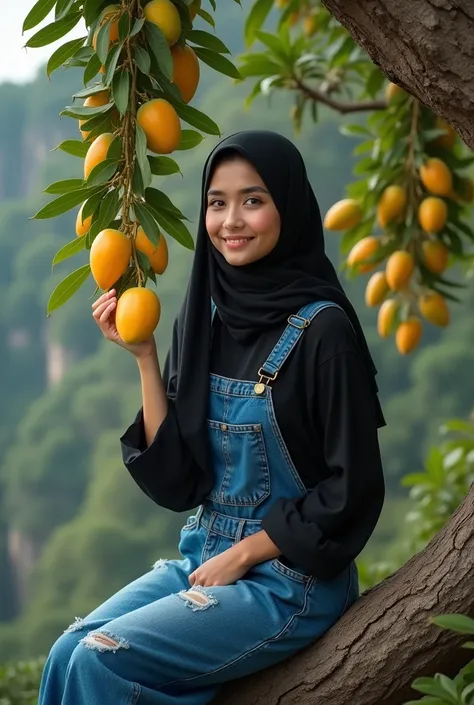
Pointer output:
x,y
241,218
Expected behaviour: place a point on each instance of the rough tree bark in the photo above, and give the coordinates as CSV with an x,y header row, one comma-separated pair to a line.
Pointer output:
x,y
385,640
426,46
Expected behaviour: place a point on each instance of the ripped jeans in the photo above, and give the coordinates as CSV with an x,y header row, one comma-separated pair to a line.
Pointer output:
x,y
160,642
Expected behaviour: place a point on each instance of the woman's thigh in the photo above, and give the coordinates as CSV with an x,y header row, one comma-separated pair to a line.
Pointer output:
x,y
201,637
166,578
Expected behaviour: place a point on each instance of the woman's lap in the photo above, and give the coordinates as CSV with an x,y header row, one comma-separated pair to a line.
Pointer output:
x,y
162,636
207,636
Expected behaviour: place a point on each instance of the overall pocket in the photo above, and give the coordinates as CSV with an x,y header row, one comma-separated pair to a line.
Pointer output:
x,y
242,475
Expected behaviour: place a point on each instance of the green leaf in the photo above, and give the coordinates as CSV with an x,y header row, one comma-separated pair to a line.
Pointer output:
x,y
159,46
64,7
189,139
67,287
53,31
115,149
83,54
72,248
90,206
92,68
415,478
64,203
160,201
90,90
174,227
375,81
205,39
120,90
194,117
80,113
63,53
467,691
146,218
91,126
102,172
124,27
144,262
217,62
466,161
103,41
142,59
76,148
37,13
163,166
458,426
108,209
428,686
455,622
440,687
184,16
354,130
111,63
65,186
258,65
140,147
92,10
255,19
206,17
449,687
275,45
137,182
256,90
137,27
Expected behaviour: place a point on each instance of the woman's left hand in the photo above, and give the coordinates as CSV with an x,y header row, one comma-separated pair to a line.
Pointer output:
x,y
223,569
231,565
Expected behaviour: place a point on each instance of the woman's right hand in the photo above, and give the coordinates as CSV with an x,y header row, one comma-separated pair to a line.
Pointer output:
x,y
104,315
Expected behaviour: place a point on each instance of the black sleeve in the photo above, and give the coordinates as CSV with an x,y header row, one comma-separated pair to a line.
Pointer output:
x,y
165,470
327,529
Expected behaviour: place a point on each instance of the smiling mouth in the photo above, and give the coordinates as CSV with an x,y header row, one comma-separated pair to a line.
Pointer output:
x,y
238,239
235,243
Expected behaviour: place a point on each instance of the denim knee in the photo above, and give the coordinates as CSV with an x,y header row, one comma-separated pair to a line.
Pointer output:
x,y
63,647
88,653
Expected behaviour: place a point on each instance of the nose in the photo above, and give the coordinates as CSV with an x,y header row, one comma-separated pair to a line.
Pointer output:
x,y
233,220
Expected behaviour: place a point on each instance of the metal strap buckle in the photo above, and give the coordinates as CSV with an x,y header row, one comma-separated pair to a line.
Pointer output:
x,y
268,378
304,321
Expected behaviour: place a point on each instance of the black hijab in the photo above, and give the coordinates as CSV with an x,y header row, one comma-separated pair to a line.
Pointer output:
x,y
259,295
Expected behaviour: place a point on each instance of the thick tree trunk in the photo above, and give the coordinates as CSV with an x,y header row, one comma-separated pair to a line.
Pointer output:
x,y
386,640
426,46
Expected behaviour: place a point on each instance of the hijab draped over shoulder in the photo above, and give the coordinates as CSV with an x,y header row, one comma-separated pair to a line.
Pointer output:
x,y
260,295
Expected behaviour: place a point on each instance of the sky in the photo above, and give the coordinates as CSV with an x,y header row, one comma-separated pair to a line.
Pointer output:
x,y
17,64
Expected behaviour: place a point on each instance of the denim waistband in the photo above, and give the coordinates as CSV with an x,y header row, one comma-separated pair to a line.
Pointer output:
x,y
231,527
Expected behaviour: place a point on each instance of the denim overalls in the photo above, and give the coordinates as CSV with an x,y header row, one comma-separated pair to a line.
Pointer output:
x,y
159,642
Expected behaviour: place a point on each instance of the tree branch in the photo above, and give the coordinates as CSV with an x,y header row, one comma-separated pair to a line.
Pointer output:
x,y
385,640
340,106
425,46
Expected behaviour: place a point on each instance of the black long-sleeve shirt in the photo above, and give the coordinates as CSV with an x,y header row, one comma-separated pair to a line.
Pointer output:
x,y
327,416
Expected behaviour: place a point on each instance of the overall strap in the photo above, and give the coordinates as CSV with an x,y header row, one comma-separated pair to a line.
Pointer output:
x,y
213,310
289,338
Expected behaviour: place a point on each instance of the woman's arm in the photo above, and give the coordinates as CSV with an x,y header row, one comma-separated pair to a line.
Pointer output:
x,y
154,399
231,565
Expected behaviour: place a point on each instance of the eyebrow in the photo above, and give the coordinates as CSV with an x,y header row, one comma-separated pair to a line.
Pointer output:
x,y
243,191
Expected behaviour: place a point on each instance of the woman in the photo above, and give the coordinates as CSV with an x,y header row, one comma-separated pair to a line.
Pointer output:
x,y
266,418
